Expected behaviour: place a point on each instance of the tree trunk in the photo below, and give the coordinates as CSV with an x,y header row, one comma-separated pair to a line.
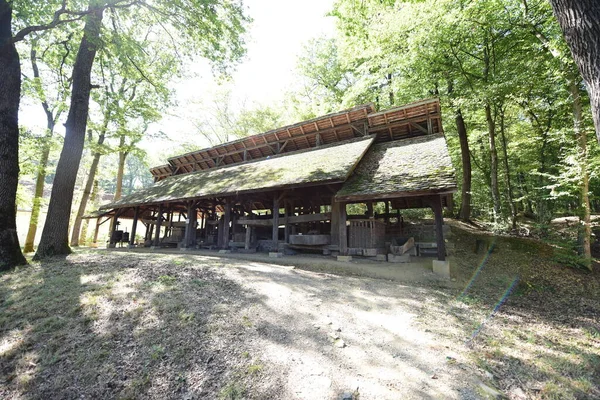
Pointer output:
x,y
86,222
41,173
88,188
493,162
10,94
581,137
461,127
56,229
580,23
509,190
120,169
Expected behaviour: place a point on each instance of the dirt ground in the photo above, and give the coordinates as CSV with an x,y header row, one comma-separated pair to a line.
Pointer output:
x,y
105,324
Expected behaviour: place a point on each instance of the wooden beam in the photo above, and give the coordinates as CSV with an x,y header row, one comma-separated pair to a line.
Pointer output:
x,y
207,157
293,219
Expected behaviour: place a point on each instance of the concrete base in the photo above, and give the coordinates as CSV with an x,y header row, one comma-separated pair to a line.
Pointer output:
x,y
224,251
393,258
380,257
187,248
155,247
344,258
131,246
273,254
442,268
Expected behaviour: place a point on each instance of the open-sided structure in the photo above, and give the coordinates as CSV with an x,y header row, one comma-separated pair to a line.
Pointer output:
x,y
291,187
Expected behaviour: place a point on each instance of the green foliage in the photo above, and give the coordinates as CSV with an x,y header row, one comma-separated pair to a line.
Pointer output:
x,y
508,55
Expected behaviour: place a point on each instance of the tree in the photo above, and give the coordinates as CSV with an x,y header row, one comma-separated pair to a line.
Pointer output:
x,y
34,17
211,27
56,228
10,93
53,109
580,23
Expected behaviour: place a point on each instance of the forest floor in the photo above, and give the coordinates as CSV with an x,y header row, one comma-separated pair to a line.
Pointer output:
x,y
103,324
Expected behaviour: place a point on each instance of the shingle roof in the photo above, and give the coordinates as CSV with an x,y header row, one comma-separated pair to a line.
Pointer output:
x,y
418,165
332,163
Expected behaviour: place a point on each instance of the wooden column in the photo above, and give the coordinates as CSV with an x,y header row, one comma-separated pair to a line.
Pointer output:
x,y
95,241
226,222
370,209
113,229
275,220
436,205
190,227
248,237
335,222
158,224
387,212
343,231
288,214
136,213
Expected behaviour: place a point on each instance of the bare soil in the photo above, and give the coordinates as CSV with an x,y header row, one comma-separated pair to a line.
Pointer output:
x,y
127,325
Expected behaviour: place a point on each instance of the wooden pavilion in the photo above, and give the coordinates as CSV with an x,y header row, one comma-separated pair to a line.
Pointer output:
x,y
291,187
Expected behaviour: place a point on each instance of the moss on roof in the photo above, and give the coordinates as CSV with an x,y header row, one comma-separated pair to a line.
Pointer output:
x,y
332,163
419,164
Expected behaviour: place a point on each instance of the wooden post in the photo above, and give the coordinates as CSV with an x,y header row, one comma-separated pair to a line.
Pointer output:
x,y
335,222
275,221
95,241
158,224
370,209
343,231
248,237
436,205
226,222
136,213
288,214
387,212
114,227
190,227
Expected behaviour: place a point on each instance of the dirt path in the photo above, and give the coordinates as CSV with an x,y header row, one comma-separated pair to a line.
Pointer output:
x,y
328,337
106,325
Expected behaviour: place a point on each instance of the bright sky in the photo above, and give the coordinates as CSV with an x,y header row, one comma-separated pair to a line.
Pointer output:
x,y
276,38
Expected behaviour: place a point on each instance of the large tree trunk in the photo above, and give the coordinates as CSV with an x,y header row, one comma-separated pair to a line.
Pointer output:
x,y
580,23
88,188
509,190
465,154
581,137
10,94
41,172
56,229
493,162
